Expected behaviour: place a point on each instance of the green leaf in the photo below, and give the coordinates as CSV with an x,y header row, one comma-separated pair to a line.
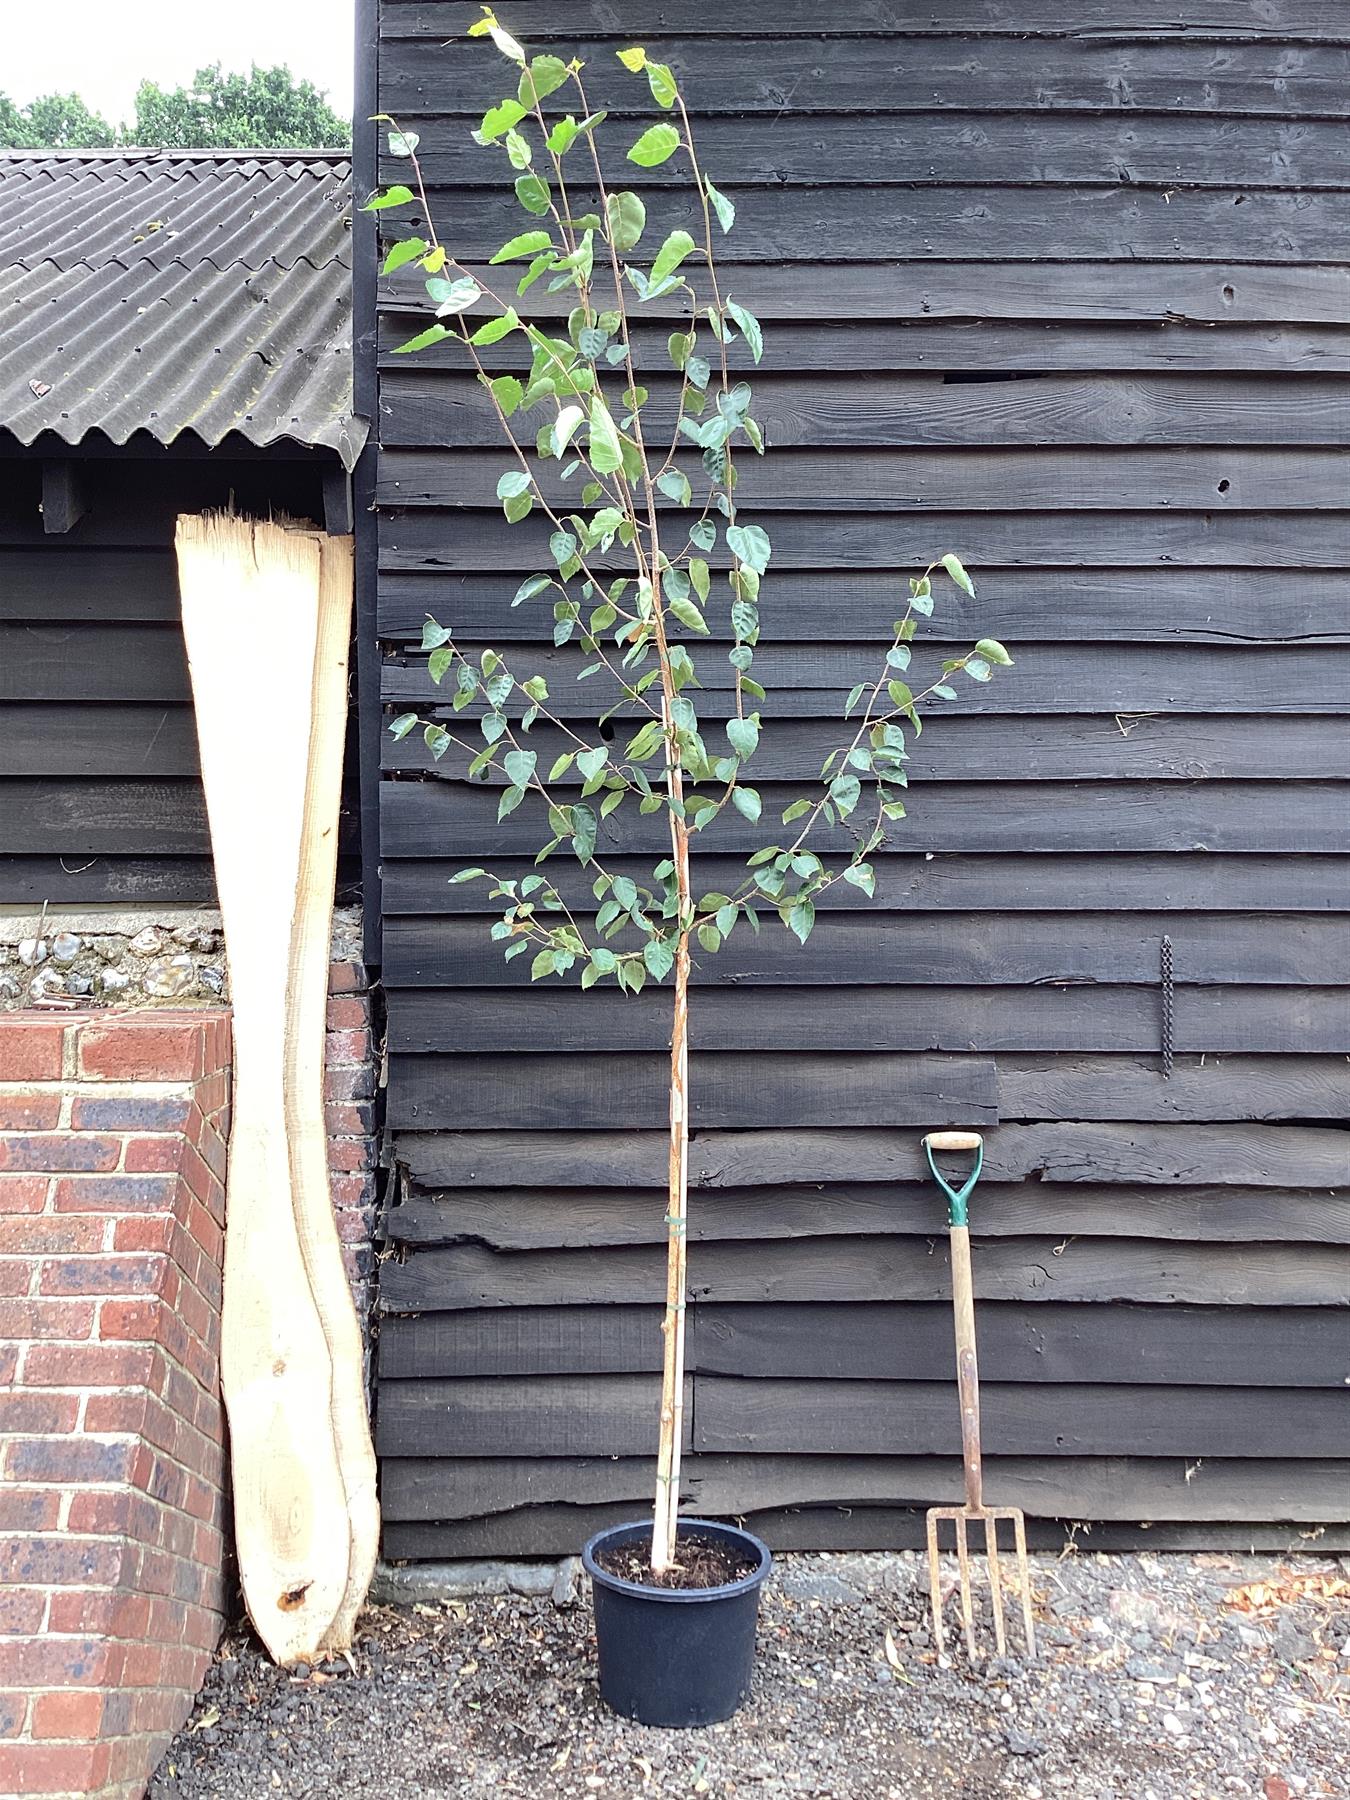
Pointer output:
x,y
513,482
403,143
434,634
743,735
533,193
496,329
466,875
437,664
747,802
863,876
656,145
634,58
699,371
625,217
527,243
671,254
662,83
725,210
675,486
517,508
658,956
606,452
584,829
408,251
590,762
402,196
510,800
992,651
402,725
710,938
544,964
953,566
978,669
424,339
453,296
751,330
562,546
545,75
499,119
845,791
801,919
703,534
750,545
507,392
566,132
564,426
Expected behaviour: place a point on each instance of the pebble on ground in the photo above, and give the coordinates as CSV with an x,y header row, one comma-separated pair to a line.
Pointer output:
x,y
1181,1677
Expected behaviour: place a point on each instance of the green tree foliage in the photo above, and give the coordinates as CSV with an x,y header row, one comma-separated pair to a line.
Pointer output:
x,y
265,109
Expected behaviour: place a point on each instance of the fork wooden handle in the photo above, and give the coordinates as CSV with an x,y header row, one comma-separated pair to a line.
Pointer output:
x,y
954,1140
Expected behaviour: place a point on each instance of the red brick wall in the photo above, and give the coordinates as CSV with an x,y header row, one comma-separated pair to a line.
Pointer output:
x,y
113,1131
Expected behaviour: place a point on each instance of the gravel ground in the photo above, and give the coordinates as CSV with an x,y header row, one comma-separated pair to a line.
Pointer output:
x,y
1160,1678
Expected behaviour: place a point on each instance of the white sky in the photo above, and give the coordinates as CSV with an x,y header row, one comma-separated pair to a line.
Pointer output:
x,y
101,49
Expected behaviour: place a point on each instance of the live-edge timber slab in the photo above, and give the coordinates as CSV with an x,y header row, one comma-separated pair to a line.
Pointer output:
x,y
250,595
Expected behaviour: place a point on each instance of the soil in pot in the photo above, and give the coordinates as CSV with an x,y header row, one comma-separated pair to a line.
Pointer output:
x,y
700,1562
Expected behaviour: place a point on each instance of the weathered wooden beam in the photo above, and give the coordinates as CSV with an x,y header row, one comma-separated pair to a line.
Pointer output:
x,y
65,496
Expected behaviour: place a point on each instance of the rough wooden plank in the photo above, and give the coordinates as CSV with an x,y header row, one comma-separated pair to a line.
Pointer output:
x,y
597,1415
1181,747
1115,1487
548,1092
421,817
515,1219
428,410
897,481
920,1418
558,1530
898,74
852,1269
1245,1155
1200,1088
92,662
1228,20
939,948
139,880
1199,292
53,740
1122,882
88,585
74,819
1213,606
1170,149
881,1340
65,496
1304,1021
987,345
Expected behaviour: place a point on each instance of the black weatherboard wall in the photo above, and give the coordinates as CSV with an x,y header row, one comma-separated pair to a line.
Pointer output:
x,y
1072,301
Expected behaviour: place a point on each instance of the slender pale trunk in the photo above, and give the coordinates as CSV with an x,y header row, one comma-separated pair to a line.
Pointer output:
x,y
677,1236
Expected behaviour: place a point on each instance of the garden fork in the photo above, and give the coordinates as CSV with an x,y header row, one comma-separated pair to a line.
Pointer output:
x,y
968,1385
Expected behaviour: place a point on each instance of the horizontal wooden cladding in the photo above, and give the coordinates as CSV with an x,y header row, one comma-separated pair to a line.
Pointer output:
x,y
1159,746
77,818
1169,293
812,680
937,949
1227,20
57,739
1131,605
445,409
902,74
795,480
84,662
1297,817
541,1092
1120,883
998,147
534,1219
1246,1346
144,880
1088,1017
557,1530
1042,1269
980,223
712,1484
54,583
1167,1155
967,347
601,1415
133,503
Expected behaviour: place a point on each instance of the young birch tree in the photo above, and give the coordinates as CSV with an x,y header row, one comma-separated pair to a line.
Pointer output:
x,y
581,419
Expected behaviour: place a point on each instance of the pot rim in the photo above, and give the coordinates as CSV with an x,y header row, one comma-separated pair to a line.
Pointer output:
x,y
678,1596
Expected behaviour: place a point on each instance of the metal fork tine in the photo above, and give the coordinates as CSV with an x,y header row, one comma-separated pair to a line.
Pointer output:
x,y
935,1584
1024,1578
995,1582
967,1595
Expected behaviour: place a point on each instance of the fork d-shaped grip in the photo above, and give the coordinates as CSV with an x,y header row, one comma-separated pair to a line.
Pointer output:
x,y
958,1198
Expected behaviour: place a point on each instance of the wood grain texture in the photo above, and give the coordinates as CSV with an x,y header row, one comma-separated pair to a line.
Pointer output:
x,y
144,880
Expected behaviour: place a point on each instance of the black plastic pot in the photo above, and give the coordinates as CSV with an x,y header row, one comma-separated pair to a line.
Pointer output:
x,y
676,1656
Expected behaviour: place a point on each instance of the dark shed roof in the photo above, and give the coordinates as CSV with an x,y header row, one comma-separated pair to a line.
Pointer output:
x,y
175,291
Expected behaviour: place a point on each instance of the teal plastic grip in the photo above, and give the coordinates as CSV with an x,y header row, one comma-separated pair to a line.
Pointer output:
x,y
958,1198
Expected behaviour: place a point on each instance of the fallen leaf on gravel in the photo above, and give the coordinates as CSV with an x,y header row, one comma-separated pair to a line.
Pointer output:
x,y
1261,1597
1275,1787
210,1717
560,1760
646,1768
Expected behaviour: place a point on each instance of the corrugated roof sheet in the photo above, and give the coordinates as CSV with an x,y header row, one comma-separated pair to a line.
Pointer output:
x,y
172,291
